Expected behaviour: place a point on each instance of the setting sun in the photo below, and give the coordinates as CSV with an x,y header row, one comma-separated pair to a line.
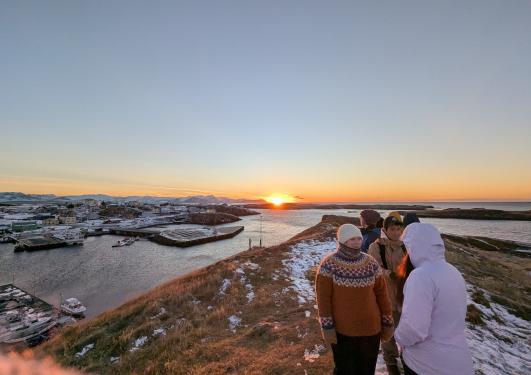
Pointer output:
x,y
279,199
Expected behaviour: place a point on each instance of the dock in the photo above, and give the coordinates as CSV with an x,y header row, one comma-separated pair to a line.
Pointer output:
x,y
24,318
134,232
47,241
195,236
38,243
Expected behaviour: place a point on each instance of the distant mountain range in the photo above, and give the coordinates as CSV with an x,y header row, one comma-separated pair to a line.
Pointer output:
x,y
195,199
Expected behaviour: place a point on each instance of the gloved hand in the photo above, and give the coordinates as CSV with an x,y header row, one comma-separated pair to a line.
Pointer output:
x,y
329,336
387,333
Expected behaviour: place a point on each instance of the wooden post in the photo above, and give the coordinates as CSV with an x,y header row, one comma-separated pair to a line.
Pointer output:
x,y
260,230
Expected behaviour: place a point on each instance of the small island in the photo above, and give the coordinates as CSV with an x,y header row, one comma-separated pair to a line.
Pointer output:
x,y
474,214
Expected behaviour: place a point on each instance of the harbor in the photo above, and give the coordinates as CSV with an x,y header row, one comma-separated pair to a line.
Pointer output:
x,y
26,320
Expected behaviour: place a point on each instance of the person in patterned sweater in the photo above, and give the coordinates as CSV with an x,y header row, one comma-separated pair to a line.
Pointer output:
x,y
354,307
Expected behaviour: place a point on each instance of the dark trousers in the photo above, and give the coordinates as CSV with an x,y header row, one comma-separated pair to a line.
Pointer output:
x,y
355,355
407,370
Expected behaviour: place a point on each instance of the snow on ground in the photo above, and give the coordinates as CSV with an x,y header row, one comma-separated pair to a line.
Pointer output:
x,y
195,301
251,265
224,286
139,342
159,332
303,257
161,312
84,351
234,321
114,360
501,346
246,282
311,355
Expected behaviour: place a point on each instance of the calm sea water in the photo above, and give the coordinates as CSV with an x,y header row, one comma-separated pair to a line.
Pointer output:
x,y
104,277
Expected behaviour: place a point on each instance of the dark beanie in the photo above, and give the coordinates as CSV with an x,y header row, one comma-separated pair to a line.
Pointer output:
x,y
371,217
410,218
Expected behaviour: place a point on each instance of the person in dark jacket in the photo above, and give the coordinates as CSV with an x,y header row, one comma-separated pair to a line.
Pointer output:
x,y
371,224
410,218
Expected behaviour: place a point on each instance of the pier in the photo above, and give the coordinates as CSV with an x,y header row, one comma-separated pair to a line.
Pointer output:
x,y
195,236
24,318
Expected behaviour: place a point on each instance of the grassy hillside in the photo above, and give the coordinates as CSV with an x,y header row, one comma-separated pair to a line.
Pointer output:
x,y
254,313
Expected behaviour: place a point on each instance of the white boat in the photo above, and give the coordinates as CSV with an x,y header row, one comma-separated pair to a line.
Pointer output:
x,y
72,306
125,242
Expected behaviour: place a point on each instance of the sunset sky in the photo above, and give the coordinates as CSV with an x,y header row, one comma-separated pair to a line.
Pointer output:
x,y
322,101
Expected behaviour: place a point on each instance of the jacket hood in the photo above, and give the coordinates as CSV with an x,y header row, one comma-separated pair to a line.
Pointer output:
x,y
424,243
410,218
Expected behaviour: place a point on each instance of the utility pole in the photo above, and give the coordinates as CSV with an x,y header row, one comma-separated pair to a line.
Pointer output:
x,y
260,230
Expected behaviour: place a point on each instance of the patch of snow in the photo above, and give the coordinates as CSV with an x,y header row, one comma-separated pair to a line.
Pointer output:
x,y
246,282
381,368
139,342
302,257
302,333
250,292
161,312
195,301
114,359
85,350
224,286
159,332
313,354
307,313
251,265
234,321
501,346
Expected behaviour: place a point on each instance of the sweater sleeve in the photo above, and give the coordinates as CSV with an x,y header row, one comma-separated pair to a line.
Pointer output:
x,y
382,297
323,291
416,313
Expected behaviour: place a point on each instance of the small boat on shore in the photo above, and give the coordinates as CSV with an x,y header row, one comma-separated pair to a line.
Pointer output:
x,y
73,307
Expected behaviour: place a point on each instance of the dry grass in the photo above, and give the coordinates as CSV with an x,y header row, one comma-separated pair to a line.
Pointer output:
x,y
267,342
275,331
496,268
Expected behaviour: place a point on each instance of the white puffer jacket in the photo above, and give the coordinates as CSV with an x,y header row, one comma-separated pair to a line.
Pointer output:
x,y
432,327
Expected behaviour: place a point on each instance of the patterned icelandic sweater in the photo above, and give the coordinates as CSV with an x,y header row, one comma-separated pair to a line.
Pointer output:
x,y
352,294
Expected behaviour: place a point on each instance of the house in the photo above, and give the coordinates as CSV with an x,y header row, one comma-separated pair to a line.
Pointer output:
x,y
69,220
50,221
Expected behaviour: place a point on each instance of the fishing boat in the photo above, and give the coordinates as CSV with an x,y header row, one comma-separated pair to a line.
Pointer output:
x,y
72,306
125,242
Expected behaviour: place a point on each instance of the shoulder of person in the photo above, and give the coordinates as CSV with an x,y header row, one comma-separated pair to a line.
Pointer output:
x,y
372,263
327,261
374,247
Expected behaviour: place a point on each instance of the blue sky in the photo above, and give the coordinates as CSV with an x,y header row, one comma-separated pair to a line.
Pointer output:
x,y
325,100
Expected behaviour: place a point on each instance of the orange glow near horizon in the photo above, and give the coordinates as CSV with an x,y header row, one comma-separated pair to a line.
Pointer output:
x,y
364,190
279,199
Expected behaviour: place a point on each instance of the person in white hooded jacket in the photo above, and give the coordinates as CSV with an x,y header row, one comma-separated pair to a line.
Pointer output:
x,y
431,332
